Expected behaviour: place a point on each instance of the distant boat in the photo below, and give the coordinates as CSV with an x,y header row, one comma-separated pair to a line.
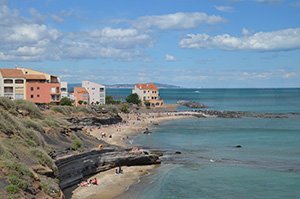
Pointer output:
x,y
197,91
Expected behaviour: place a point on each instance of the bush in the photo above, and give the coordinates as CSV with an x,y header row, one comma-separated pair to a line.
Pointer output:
x,y
125,108
6,103
30,107
43,158
76,143
133,98
12,189
65,101
19,182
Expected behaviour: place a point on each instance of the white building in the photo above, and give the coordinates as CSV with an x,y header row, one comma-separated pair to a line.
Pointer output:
x,y
12,84
96,92
64,89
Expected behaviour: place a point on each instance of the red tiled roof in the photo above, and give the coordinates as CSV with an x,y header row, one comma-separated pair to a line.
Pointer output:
x,y
147,86
12,73
35,77
80,90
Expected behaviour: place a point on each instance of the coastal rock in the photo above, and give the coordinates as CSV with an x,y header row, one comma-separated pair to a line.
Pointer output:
x,y
191,104
95,121
73,169
238,146
42,170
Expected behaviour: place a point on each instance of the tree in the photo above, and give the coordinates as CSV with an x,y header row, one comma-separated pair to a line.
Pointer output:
x,y
109,100
80,102
133,98
66,101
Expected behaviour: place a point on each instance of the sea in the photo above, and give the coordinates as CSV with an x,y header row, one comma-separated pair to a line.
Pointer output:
x,y
210,165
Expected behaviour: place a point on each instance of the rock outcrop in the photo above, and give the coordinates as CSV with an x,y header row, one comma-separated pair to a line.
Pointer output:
x,y
191,104
73,169
94,121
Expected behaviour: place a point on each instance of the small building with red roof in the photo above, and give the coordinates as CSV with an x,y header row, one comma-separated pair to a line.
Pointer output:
x,y
148,93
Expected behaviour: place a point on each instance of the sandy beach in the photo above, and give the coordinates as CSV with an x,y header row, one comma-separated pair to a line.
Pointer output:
x,y
110,184
133,124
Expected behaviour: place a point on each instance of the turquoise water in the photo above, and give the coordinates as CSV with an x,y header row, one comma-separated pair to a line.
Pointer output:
x,y
260,100
267,165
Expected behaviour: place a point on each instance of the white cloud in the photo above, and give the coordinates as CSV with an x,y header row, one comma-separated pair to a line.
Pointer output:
x,y
286,39
289,75
179,20
57,18
25,39
224,8
169,57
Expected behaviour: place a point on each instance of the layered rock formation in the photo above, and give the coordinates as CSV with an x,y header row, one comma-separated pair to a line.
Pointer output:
x,y
73,169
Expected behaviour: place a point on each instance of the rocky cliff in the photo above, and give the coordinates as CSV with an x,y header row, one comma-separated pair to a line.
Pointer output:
x,y
74,169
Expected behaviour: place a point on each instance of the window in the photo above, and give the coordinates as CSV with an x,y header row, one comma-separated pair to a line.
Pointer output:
x,y
144,91
19,81
101,89
8,81
19,96
93,88
38,95
38,88
8,89
63,89
31,96
31,88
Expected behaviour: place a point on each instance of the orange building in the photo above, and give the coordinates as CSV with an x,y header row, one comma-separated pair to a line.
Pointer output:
x,y
81,96
31,85
148,93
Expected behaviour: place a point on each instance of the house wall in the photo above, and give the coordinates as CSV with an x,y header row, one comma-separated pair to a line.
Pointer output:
x,y
43,93
80,97
13,90
96,92
64,89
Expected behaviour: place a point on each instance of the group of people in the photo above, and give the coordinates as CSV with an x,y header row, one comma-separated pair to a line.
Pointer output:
x,y
90,182
119,170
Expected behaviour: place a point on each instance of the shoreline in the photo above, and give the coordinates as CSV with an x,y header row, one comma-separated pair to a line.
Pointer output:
x,y
110,184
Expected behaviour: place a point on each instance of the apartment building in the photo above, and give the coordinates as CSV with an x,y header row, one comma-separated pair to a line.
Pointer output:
x,y
12,83
81,96
148,93
31,85
96,92
64,89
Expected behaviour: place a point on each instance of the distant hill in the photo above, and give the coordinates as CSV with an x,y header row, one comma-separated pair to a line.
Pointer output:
x,y
159,85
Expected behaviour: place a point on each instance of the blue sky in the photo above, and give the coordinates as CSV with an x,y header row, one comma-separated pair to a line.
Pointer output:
x,y
190,43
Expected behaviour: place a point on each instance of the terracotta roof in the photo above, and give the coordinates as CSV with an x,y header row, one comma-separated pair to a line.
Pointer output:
x,y
147,86
35,77
12,73
80,90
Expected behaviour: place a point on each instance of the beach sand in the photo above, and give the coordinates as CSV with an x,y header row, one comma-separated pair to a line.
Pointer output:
x,y
112,185
132,125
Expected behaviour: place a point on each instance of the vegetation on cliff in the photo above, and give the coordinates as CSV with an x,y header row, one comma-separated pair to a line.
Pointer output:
x,y
30,141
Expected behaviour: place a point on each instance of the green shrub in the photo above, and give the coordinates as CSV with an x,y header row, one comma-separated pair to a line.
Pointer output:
x,y
133,99
6,103
19,182
76,143
125,108
12,189
32,109
65,101
28,123
18,169
43,158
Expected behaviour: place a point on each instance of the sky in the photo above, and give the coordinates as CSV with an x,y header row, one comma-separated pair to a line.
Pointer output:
x,y
189,43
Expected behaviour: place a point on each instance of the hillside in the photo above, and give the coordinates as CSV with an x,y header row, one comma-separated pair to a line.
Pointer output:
x,y
39,148
31,140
